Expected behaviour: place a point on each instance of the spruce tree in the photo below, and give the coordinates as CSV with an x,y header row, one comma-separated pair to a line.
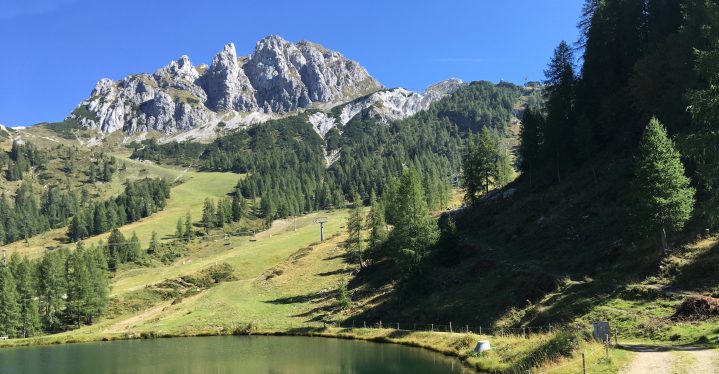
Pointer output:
x,y
663,198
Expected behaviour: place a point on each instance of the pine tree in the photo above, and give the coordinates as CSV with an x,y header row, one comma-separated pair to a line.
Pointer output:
x,y
9,308
663,197
354,231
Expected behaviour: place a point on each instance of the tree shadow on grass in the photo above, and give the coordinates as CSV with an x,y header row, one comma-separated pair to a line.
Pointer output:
x,y
700,273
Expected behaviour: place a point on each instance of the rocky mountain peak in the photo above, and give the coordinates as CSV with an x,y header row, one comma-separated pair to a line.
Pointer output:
x,y
278,77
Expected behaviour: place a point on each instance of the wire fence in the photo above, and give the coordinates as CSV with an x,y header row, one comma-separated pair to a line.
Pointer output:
x,y
448,327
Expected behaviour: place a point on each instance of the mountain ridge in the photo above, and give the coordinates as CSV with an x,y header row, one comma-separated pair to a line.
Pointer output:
x,y
278,77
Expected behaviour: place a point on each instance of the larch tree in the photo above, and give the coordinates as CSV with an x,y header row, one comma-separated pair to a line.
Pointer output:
x,y
9,308
414,229
354,231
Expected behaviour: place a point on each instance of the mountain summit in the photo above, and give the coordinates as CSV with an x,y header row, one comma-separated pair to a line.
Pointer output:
x,y
278,77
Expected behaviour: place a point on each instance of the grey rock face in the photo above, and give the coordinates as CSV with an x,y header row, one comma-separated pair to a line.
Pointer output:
x,y
398,103
278,77
227,85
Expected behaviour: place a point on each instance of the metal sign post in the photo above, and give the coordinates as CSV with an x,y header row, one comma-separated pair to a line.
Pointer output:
x,y
321,221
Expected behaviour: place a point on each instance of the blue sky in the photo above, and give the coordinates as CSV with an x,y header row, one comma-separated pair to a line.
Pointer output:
x,y
53,51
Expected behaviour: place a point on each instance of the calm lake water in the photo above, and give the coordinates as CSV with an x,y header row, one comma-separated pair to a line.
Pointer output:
x,y
227,354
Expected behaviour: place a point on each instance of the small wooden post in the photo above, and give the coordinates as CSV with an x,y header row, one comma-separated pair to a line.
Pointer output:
x,y
397,325
524,332
380,323
364,324
616,337
450,328
606,346
584,364
432,327
467,329
480,330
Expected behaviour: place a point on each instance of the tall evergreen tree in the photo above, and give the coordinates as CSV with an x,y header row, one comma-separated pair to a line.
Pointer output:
x,y
208,216
51,288
179,229
9,308
134,249
414,230
116,249
663,198
354,231
559,95
376,225
25,279
79,286
530,142
189,233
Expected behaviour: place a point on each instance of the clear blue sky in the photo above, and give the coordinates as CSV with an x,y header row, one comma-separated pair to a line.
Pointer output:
x,y
53,51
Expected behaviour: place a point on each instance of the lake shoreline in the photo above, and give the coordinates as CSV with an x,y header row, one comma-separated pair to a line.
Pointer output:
x,y
457,345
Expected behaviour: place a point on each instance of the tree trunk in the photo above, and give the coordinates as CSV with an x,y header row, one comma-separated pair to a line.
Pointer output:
x,y
665,246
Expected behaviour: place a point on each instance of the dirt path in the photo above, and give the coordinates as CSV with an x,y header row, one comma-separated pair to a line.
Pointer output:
x,y
673,360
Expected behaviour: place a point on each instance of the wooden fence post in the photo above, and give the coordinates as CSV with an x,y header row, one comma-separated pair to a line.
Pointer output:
x,y
450,327
584,364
